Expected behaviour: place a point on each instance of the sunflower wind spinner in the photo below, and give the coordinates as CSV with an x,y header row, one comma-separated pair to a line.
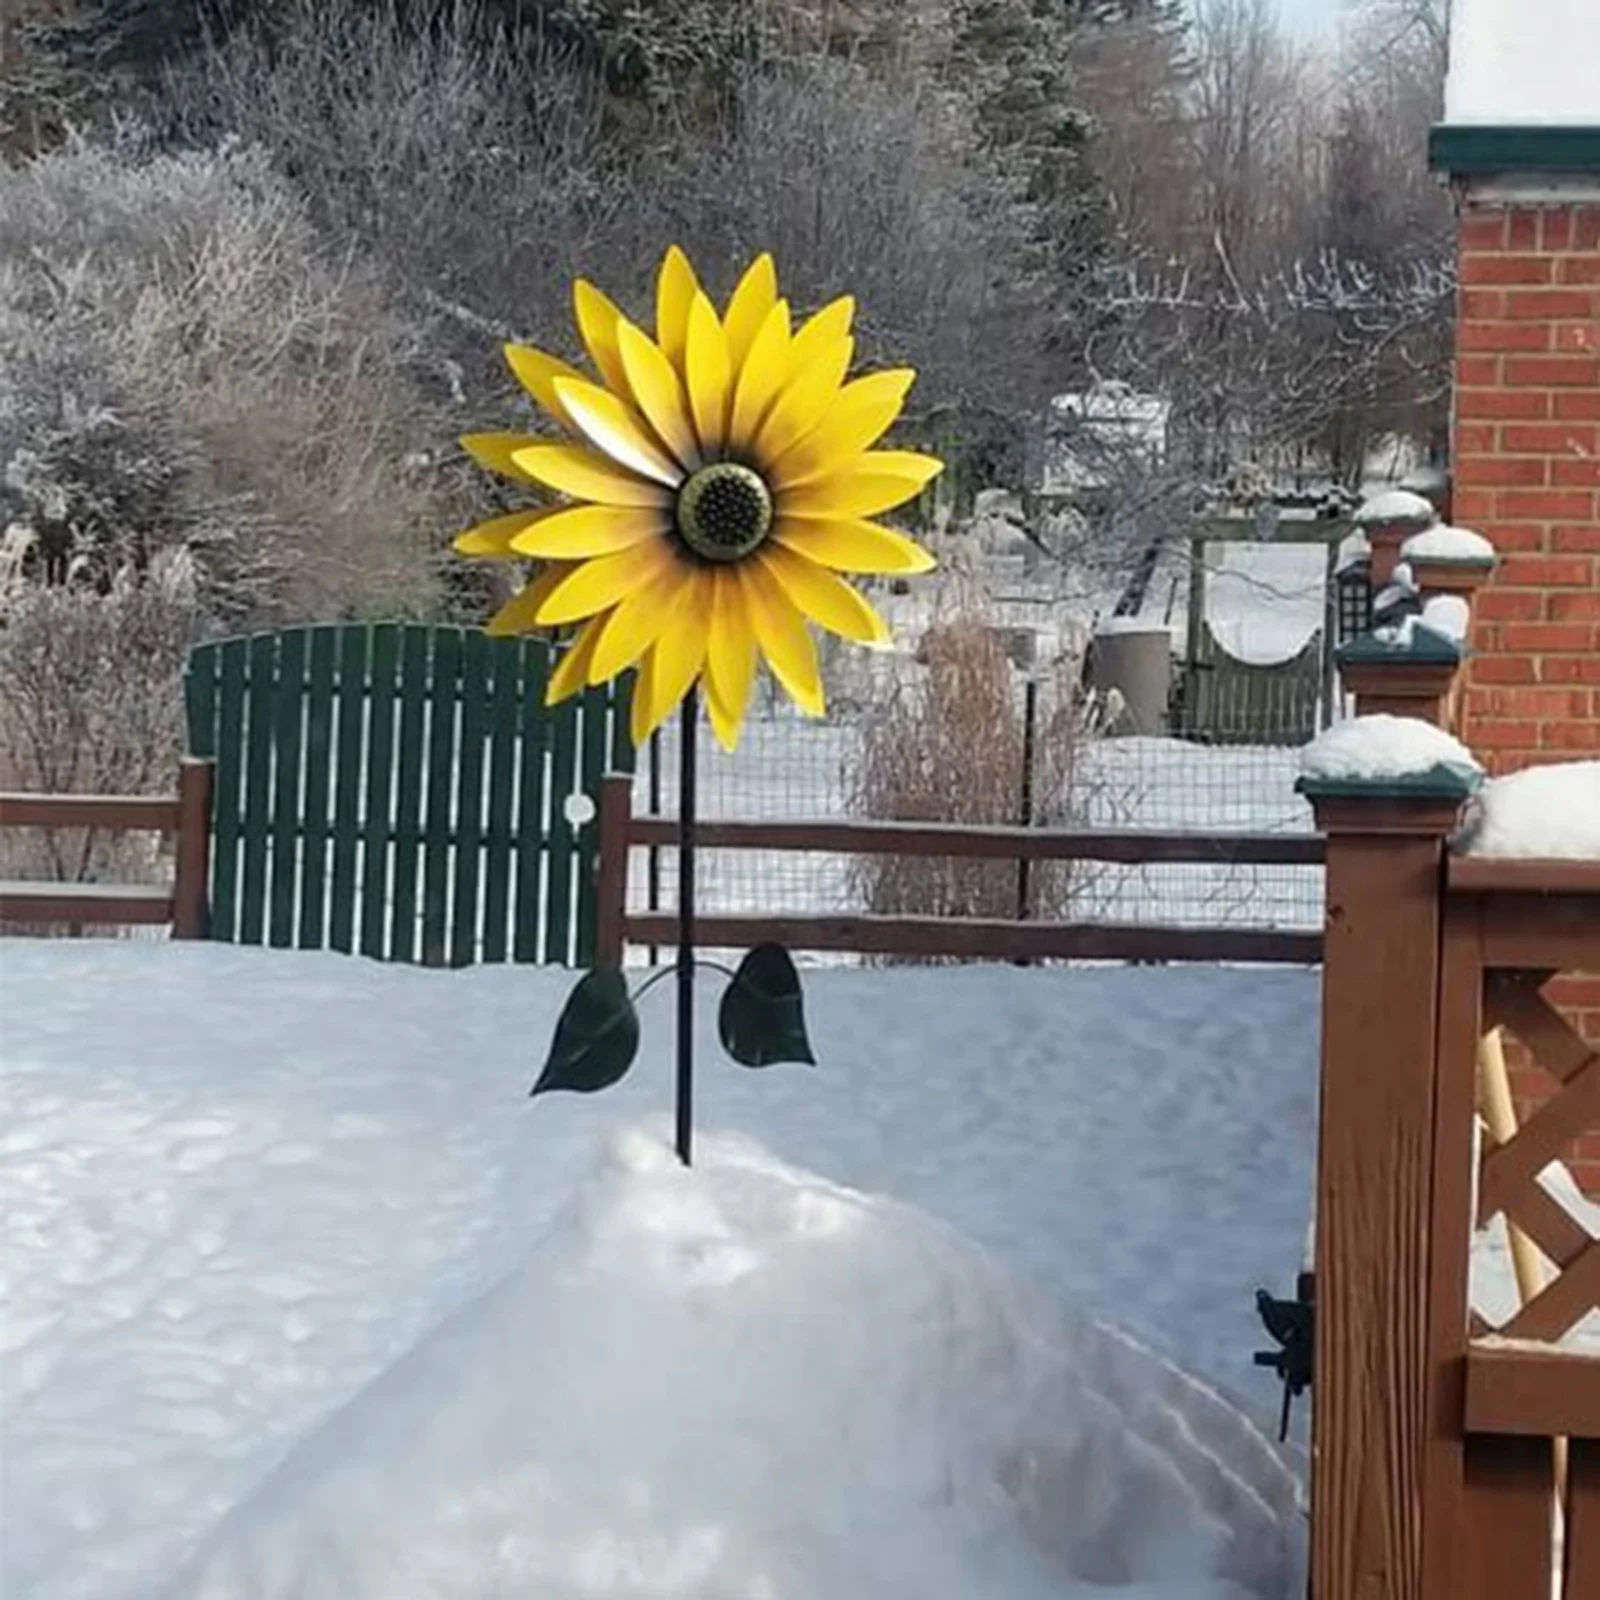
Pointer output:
x,y
716,482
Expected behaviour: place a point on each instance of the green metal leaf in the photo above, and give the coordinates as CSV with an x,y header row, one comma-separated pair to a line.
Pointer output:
x,y
596,1038
762,1018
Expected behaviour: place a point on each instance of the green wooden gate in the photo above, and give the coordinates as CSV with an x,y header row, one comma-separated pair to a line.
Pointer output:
x,y
1223,700
402,791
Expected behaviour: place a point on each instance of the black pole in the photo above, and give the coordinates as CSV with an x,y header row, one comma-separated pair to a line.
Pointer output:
x,y
1030,717
686,819
653,862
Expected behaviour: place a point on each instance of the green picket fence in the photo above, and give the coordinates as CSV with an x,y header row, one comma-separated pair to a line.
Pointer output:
x,y
402,791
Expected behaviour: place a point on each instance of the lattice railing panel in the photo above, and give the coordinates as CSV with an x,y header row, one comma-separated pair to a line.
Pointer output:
x,y
1509,1176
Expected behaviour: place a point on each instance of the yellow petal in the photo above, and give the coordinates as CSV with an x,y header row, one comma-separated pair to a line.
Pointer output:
x,y
709,371
730,658
493,539
495,450
725,722
639,726
599,584
678,655
611,425
752,301
858,417
579,533
537,372
676,287
764,372
519,614
597,323
781,632
824,596
824,327
658,391
633,626
853,546
860,487
809,395
572,673
587,475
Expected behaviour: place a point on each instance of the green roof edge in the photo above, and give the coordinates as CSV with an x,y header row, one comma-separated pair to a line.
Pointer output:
x,y
1426,646
1474,148
1442,781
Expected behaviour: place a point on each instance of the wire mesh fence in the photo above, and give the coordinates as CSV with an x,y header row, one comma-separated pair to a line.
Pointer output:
x,y
790,768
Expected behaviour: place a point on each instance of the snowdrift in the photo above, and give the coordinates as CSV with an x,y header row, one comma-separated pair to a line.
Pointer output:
x,y
747,1383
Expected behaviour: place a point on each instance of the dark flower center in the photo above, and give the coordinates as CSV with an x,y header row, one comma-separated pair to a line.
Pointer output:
x,y
724,512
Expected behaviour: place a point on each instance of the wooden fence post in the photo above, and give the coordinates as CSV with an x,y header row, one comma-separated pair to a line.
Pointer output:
x,y
1374,1180
611,868
1393,1164
191,886
1417,680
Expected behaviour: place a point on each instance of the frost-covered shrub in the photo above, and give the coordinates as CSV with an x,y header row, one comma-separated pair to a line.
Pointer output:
x,y
91,702
96,474
179,364
949,744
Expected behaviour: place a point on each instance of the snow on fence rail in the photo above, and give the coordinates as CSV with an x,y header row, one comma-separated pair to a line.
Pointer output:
x,y
926,936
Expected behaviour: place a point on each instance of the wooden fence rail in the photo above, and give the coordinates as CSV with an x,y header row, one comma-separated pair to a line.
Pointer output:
x,y
185,816
974,938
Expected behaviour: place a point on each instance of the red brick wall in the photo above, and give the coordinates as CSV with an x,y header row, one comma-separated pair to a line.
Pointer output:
x,y
1526,473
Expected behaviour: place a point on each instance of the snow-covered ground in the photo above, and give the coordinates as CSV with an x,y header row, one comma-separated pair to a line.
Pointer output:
x,y
294,1274
301,1298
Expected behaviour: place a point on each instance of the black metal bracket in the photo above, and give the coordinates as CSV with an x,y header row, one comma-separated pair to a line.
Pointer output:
x,y
1292,1323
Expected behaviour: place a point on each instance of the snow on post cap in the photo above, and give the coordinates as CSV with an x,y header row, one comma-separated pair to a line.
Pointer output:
x,y
1395,505
1545,812
1444,543
1353,548
1446,614
1384,752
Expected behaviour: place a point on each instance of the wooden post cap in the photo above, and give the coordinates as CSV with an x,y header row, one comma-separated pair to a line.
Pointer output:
x,y
1447,560
1388,520
1387,773
1427,802
1409,671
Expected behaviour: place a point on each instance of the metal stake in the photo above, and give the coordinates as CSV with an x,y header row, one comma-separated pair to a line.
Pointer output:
x,y
686,888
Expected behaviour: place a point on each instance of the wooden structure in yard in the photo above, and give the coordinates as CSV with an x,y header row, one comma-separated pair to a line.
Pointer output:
x,y
1436,1469
971,938
402,791
1225,701
184,817
1221,699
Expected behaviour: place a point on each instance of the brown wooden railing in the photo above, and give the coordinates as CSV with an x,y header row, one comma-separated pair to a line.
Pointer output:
x,y
185,816
1508,927
1448,1452
972,938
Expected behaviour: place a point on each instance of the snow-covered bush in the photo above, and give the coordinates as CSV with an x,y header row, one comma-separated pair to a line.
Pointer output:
x,y
180,365
203,424
91,702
